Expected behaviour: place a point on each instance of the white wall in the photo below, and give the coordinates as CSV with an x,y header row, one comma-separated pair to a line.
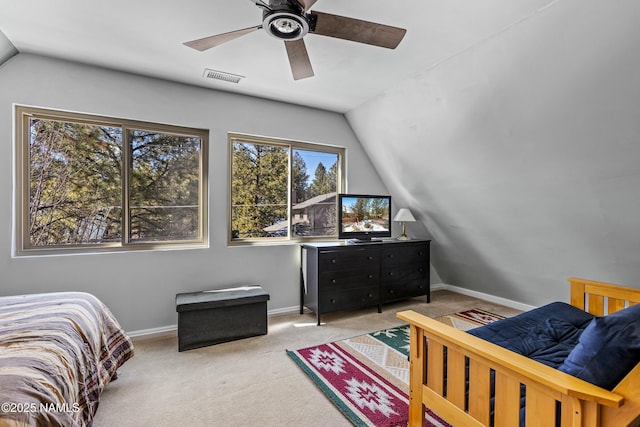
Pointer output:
x,y
140,287
521,155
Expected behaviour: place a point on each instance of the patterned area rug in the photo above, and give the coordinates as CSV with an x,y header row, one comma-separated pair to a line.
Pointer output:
x,y
367,376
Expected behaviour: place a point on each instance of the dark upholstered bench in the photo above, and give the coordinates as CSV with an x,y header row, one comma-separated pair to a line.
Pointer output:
x,y
213,317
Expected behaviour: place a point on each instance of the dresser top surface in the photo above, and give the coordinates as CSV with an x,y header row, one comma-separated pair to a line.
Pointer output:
x,y
335,243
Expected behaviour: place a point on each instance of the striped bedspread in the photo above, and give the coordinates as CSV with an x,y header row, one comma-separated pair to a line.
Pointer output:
x,y
57,353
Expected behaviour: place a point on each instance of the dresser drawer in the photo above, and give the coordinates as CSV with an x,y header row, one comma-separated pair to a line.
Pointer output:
x,y
401,290
404,273
349,279
350,298
400,257
341,260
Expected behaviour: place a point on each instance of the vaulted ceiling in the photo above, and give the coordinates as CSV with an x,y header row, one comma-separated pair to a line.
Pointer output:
x,y
147,38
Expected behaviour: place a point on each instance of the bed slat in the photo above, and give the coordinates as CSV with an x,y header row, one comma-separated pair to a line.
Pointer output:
x,y
456,378
540,409
508,400
479,391
596,305
435,367
615,304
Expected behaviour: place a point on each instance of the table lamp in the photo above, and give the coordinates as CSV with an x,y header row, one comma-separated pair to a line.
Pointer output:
x,y
404,215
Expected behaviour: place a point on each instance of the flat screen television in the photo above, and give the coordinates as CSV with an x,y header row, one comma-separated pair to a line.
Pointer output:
x,y
364,217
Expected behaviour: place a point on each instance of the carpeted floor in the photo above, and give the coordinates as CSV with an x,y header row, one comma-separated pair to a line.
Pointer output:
x,y
250,382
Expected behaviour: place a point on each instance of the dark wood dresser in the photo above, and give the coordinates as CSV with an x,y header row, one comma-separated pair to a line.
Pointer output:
x,y
339,276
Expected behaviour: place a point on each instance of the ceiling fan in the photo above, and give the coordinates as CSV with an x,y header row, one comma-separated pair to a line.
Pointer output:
x,y
290,21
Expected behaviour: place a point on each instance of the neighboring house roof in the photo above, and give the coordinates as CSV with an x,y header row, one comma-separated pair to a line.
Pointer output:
x,y
315,200
282,225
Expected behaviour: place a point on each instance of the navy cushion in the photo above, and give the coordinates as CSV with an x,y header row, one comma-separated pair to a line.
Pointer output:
x,y
607,350
546,334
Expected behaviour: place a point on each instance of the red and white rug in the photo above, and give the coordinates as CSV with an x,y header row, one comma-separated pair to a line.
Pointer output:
x,y
367,376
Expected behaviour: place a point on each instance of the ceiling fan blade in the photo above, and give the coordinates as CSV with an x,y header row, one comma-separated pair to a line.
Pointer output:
x,y
261,4
357,30
299,59
212,41
307,4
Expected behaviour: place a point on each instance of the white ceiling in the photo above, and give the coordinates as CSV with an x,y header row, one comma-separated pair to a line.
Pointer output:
x,y
146,37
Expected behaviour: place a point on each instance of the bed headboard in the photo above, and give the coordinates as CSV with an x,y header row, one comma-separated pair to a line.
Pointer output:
x,y
589,295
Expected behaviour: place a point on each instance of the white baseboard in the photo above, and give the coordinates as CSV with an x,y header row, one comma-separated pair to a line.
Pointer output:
x,y
171,330
286,310
487,297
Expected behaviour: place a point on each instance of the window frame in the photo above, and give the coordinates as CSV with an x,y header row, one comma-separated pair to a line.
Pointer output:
x,y
21,246
291,145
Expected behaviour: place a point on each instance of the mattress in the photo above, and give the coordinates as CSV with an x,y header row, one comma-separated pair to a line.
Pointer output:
x,y
58,351
546,334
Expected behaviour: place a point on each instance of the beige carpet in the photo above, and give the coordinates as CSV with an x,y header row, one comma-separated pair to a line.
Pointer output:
x,y
250,382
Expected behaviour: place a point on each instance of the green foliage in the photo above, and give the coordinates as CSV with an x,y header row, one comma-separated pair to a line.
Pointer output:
x,y
75,184
379,208
361,209
299,178
323,181
259,188
164,187
260,177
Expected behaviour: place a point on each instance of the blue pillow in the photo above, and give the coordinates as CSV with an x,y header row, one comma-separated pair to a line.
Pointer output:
x,y
607,350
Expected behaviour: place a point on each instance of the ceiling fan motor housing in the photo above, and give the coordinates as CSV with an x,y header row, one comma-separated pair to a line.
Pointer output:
x,y
285,21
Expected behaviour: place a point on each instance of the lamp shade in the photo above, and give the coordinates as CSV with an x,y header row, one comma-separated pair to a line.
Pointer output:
x,y
404,215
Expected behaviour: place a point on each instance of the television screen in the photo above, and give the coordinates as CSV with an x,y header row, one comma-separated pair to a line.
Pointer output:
x,y
364,217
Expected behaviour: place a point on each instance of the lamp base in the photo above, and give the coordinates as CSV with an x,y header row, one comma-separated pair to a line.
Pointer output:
x,y
404,236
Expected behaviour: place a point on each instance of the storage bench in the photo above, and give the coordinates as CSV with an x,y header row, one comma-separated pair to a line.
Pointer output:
x,y
213,317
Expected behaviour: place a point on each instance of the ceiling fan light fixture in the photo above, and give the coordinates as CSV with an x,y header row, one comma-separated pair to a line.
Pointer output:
x,y
285,25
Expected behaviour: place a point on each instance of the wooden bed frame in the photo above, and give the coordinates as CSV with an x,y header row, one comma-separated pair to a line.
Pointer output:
x,y
581,404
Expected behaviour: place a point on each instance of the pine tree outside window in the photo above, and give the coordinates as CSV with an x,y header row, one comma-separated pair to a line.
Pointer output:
x,y
92,184
282,190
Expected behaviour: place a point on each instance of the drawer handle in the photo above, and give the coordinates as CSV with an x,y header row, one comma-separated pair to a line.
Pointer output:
x,y
371,276
370,295
333,261
333,280
421,270
369,257
390,255
391,273
333,301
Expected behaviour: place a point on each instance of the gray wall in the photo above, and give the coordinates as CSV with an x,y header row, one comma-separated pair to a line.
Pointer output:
x,y
7,50
140,287
521,155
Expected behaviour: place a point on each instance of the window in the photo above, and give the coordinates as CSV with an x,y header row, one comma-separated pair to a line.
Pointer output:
x,y
282,190
89,184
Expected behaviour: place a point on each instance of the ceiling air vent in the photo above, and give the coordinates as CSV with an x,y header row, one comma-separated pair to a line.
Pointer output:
x,y
221,75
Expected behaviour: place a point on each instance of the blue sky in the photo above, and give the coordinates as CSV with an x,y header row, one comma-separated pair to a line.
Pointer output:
x,y
313,158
